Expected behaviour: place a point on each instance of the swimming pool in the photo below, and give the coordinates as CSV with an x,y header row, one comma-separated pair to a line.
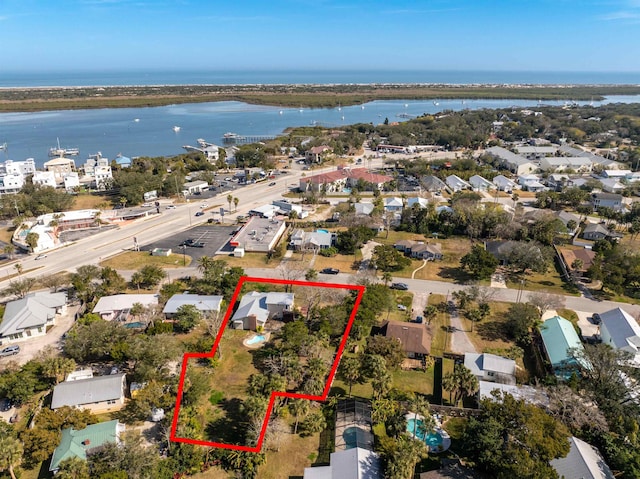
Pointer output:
x,y
135,324
258,338
322,231
431,438
353,436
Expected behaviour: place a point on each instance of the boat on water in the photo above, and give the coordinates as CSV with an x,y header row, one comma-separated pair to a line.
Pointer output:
x,y
176,128
3,147
231,136
59,151
136,120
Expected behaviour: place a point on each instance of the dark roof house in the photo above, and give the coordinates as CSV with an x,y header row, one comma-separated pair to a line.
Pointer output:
x,y
414,337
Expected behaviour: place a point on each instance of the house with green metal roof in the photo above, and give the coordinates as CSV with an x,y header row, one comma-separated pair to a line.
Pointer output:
x,y
559,338
85,441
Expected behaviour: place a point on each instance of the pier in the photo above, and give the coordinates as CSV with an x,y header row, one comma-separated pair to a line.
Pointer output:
x,y
236,139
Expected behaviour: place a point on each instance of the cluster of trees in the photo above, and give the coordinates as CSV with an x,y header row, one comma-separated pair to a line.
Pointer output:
x,y
617,267
34,200
388,258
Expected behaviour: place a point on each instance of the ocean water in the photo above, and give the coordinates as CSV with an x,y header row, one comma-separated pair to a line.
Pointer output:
x,y
229,77
113,131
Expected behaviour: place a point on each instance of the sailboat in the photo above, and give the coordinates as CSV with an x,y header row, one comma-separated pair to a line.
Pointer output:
x,y
137,120
59,151
436,103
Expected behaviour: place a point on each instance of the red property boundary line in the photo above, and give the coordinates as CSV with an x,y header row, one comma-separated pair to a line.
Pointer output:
x,y
274,394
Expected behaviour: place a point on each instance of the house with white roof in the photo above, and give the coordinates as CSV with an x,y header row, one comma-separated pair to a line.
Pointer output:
x,y
612,185
517,164
256,308
504,184
354,463
312,240
30,316
432,183
204,304
489,367
481,184
363,209
621,331
456,183
102,176
393,204
417,201
606,163
44,178
531,183
583,462
100,393
11,183
616,173
24,168
71,181
60,167
118,306
563,163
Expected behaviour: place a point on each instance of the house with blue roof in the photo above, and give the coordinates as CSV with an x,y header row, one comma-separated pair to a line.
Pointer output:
x,y
560,338
123,161
81,443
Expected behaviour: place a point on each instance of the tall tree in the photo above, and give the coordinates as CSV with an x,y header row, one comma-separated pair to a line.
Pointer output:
x,y
10,454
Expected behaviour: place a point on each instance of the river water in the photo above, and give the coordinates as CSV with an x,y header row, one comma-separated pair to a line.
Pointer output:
x,y
150,131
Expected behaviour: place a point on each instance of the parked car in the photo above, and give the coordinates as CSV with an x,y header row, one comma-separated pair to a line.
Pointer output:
x,y
402,307
400,286
596,318
273,183
200,213
192,243
10,351
5,404
171,207
330,271
41,256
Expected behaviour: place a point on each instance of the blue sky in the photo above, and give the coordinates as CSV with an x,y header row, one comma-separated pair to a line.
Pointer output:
x,y
564,35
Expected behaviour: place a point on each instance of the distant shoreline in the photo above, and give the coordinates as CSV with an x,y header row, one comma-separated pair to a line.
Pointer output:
x,y
308,95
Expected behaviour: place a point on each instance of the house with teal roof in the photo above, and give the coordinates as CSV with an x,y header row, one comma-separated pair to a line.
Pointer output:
x,y
83,442
559,338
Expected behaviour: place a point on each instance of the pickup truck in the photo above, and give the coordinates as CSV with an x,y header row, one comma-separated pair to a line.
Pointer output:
x,y
192,243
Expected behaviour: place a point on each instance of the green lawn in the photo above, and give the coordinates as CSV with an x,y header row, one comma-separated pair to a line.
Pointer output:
x,y
133,260
438,326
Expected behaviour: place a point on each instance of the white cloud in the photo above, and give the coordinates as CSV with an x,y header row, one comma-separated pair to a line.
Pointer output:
x,y
621,15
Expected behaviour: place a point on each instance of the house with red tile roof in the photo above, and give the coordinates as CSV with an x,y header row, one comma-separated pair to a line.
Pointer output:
x,y
339,179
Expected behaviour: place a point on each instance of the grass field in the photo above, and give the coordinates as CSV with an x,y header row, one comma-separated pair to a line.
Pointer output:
x,y
133,260
250,260
88,201
550,282
490,332
345,263
6,234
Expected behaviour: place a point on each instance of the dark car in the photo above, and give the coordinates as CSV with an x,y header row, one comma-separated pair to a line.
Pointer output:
x,y
5,404
273,183
200,213
192,243
400,286
330,271
596,318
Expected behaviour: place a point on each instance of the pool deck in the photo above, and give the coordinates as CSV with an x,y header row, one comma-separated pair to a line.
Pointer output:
x,y
446,440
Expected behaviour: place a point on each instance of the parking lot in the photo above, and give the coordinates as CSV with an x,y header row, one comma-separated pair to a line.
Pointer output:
x,y
214,237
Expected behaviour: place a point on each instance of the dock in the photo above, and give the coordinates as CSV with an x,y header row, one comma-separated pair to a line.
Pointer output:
x,y
237,139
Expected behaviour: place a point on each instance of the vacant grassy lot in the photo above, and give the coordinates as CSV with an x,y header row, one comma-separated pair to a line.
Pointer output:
x,y
6,234
89,201
492,331
250,260
132,260
345,263
235,366
550,282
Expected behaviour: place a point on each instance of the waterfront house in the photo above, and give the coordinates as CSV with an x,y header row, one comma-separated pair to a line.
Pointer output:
x,y
82,443
123,161
489,367
205,304
60,167
414,338
71,181
256,308
11,183
29,317
560,340
621,331
583,462
98,394
44,178
24,168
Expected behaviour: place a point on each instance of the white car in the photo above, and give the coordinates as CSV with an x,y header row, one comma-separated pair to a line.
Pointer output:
x,y
402,307
171,207
203,205
147,205
41,256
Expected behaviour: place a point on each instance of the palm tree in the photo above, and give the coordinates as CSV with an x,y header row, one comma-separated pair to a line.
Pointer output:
x,y
351,371
19,268
420,407
10,454
298,407
386,277
229,200
9,249
461,382
235,204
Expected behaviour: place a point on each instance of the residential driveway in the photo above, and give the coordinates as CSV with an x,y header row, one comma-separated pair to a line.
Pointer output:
x,y
33,347
420,301
367,253
460,342
586,324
